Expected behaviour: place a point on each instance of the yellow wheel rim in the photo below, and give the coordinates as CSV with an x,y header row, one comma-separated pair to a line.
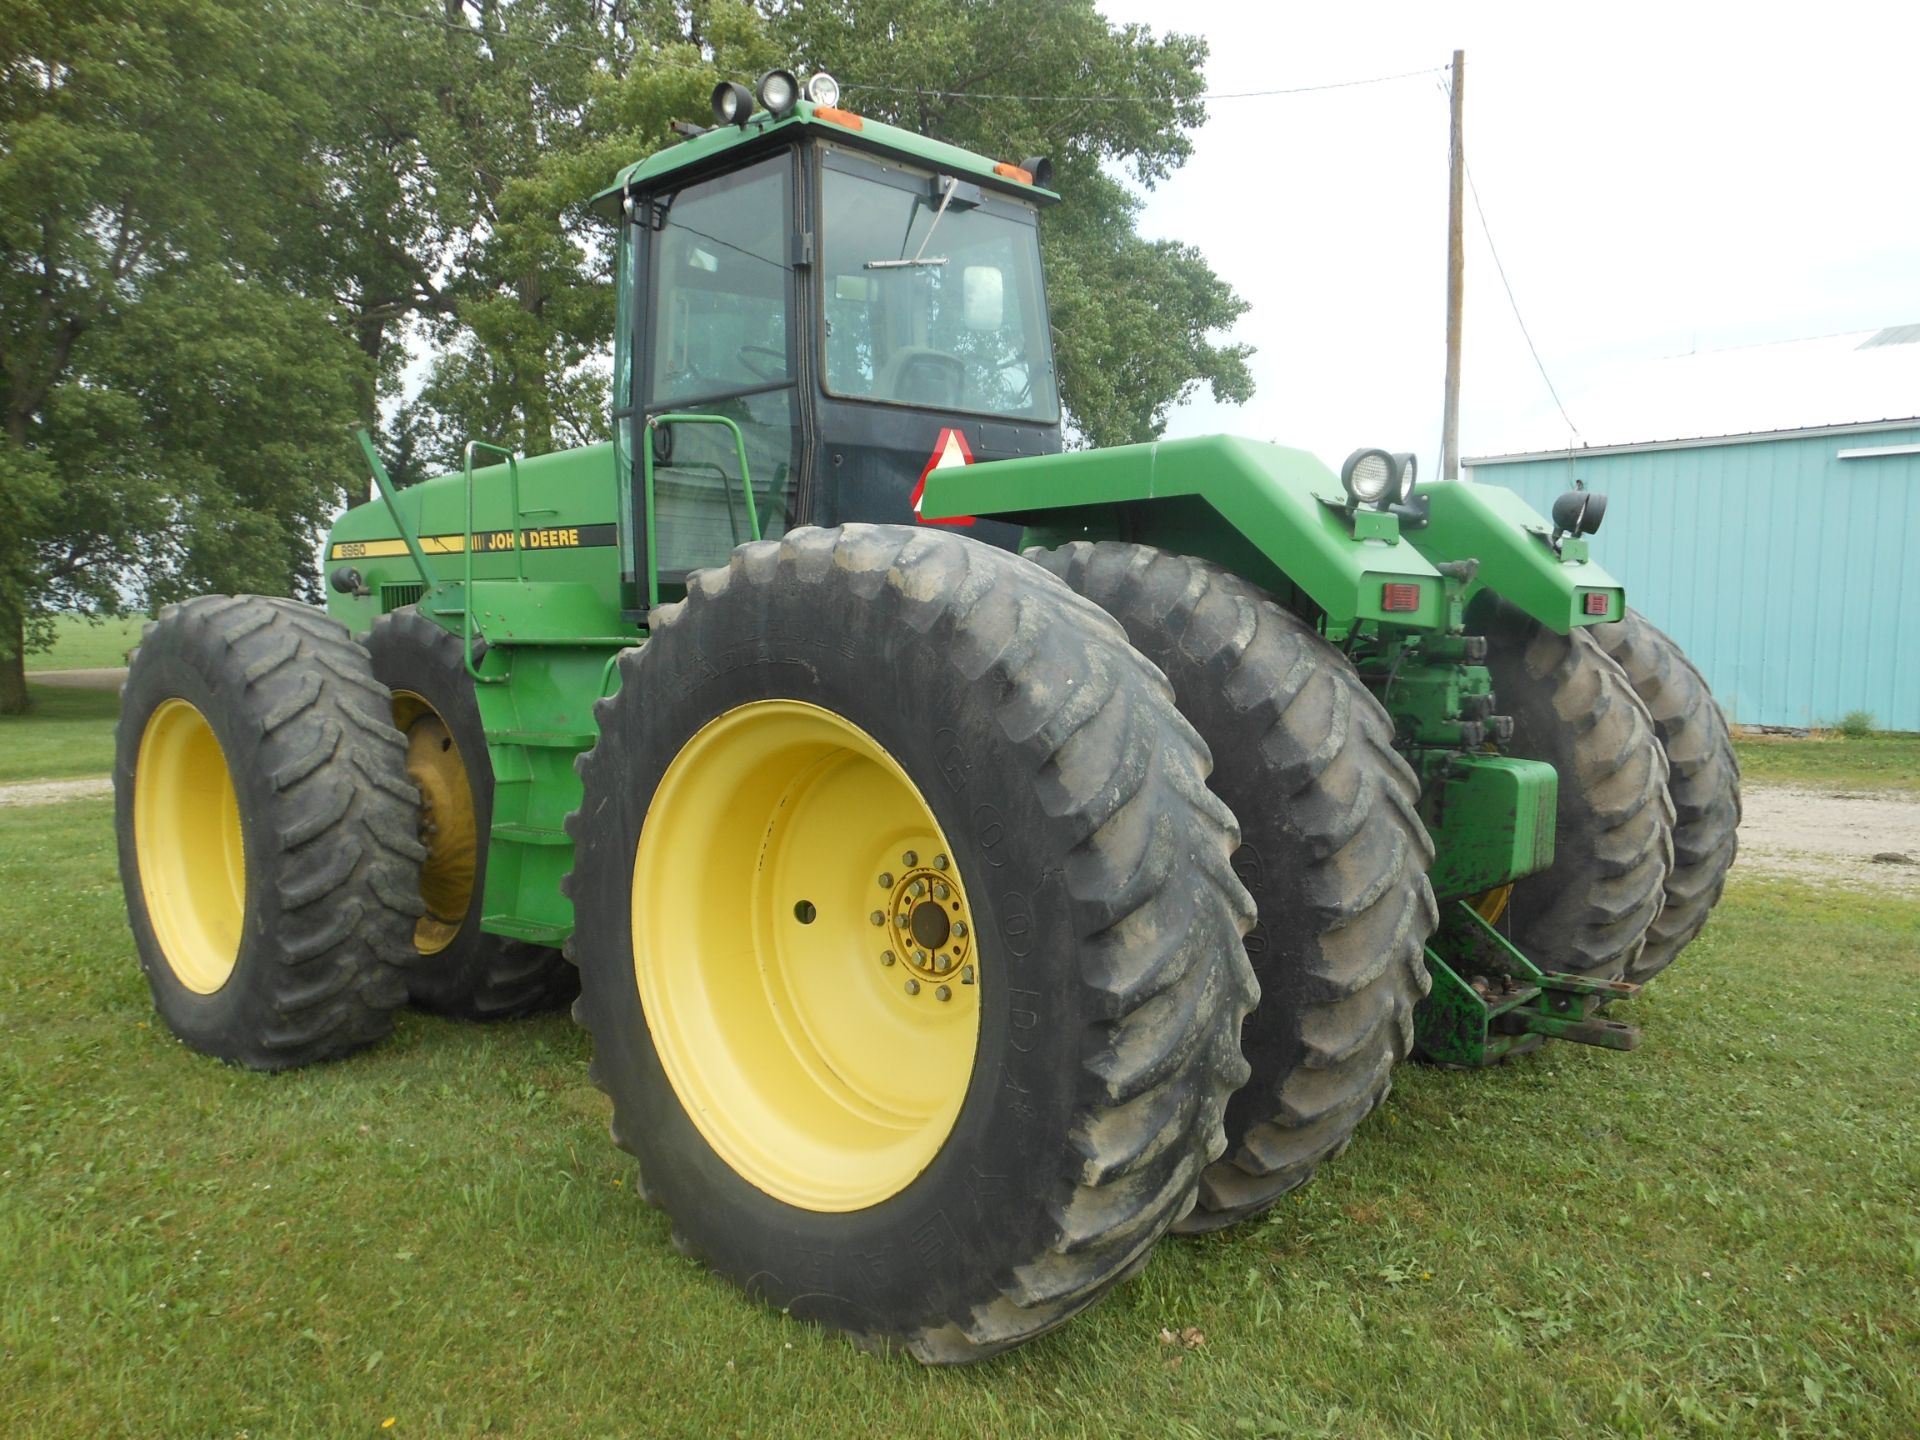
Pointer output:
x,y
187,838
1490,905
447,825
805,954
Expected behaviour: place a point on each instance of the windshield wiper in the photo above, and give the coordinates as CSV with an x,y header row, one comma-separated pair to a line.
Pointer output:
x,y
946,196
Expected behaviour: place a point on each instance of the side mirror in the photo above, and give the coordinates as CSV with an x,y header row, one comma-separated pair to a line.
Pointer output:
x,y
983,297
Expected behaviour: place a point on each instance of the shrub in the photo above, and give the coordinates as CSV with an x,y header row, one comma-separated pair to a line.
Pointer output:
x,y
1856,724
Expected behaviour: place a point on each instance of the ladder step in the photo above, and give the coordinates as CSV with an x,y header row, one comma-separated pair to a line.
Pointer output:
x,y
524,929
565,642
529,834
544,739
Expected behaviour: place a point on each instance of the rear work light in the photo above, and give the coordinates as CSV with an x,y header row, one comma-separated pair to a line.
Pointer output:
x,y
1597,602
1399,598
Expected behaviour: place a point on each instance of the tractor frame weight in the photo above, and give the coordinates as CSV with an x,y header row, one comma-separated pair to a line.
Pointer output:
x,y
979,859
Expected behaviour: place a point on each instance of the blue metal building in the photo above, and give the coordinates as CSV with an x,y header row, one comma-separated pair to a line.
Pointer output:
x,y
1786,563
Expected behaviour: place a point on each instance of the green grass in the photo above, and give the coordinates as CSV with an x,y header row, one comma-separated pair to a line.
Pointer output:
x,y
1717,1234
1834,762
67,732
82,644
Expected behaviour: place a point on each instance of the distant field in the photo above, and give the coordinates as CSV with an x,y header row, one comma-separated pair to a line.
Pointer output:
x,y
68,732
1874,762
1715,1235
82,644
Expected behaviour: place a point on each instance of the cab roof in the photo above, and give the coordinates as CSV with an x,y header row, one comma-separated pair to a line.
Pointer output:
x,y
832,123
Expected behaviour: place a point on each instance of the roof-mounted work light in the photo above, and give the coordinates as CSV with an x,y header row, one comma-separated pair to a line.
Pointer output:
x,y
822,89
732,103
779,90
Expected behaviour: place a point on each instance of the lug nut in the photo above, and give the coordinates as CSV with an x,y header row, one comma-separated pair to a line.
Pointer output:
x,y
901,921
886,880
913,986
879,917
940,890
886,957
910,859
960,928
919,957
943,993
939,862
942,964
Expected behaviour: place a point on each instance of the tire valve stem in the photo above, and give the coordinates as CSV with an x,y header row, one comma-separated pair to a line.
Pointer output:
x,y
966,974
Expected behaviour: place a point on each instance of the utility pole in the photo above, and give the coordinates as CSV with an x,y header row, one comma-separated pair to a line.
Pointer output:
x,y
1456,277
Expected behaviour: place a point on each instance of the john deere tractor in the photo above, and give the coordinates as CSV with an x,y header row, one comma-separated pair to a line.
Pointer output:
x,y
973,860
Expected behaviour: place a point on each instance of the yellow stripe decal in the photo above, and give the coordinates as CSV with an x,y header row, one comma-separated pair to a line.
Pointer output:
x,y
552,537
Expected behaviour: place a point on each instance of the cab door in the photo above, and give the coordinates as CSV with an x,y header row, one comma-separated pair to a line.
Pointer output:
x,y
715,335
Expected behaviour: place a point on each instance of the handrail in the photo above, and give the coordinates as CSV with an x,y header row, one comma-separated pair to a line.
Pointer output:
x,y
646,480
468,625
385,484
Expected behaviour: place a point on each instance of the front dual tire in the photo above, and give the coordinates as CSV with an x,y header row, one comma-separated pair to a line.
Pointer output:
x,y
266,831
789,760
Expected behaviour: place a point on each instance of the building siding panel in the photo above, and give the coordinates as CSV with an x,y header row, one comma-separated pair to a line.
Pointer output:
x,y
1790,576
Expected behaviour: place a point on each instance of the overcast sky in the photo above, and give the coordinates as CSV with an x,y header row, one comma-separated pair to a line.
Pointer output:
x,y
1657,178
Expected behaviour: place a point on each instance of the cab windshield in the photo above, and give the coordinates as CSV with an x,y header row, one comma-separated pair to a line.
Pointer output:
x,y
932,294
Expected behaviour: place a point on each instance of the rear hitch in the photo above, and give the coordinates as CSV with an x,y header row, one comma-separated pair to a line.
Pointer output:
x,y
1489,1001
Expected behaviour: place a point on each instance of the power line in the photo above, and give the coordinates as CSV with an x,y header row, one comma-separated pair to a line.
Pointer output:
x,y
1139,99
1507,285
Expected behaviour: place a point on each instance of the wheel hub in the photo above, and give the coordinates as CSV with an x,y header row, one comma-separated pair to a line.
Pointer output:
x,y
930,932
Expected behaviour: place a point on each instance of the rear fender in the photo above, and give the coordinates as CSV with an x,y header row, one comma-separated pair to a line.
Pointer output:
x,y
1285,507
1512,543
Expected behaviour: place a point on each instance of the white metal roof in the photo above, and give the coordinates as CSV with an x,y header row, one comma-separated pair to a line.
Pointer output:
x,y
1829,383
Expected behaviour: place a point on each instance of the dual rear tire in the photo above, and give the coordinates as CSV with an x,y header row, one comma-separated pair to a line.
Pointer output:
x,y
1332,851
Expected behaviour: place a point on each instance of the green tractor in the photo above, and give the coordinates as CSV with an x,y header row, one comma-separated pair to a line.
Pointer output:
x,y
972,860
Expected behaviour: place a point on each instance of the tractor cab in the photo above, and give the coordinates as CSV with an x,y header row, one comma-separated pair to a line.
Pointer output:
x,y
816,309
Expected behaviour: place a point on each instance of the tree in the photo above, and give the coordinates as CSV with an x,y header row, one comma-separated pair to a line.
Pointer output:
x,y
174,408
465,140
1135,321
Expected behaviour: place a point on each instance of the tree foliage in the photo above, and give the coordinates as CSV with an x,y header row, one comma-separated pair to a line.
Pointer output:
x,y
173,402
228,228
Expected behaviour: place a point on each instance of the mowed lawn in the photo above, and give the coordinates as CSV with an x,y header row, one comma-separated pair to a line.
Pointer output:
x,y
83,644
67,732
1885,761
1717,1234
